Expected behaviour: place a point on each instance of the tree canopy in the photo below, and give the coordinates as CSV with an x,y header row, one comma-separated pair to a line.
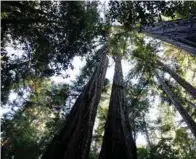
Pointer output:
x,y
57,106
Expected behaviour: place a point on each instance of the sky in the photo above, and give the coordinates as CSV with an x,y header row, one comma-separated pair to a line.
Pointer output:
x,y
79,62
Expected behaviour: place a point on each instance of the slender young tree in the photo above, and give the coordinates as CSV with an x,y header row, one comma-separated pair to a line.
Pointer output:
x,y
118,141
189,121
74,140
187,86
149,55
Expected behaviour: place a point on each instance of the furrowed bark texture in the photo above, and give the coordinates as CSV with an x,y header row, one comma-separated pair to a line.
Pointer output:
x,y
118,141
187,86
181,33
186,117
74,140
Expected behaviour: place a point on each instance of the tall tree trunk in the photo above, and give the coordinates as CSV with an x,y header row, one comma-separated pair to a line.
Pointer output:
x,y
187,86
118,141
186,117
74,140
180,33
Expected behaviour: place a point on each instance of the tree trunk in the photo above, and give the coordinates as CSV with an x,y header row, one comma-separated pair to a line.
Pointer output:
x,y
187,86
186,117
118,141
180,33
74,140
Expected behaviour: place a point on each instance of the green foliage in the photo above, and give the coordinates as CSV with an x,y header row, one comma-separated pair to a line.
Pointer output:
x,y
93,155
184,144
33,125
139,13
51,34
163,149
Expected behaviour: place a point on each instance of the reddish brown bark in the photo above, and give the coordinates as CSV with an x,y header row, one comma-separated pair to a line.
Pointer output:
x,y
74,140
118,141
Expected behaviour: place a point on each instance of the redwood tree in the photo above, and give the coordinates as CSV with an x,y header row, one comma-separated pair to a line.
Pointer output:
x,y
73,142
118,141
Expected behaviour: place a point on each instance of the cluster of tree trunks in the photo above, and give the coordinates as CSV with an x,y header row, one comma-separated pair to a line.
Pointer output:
x,y
74,140
187,86
118,141
186,117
